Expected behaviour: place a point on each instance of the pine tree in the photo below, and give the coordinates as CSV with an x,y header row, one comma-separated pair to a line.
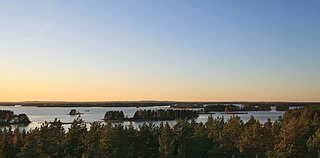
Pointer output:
x,y
117,142
92,141
165,141
18,140
74,145
183,139
202,143
7,149
32,147
297,127
250,143
147,141
313,144
52,136
221,145
233,130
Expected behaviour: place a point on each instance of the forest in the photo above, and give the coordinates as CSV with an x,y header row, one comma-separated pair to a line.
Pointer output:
x,y
168,114
152,115
296,134
245,107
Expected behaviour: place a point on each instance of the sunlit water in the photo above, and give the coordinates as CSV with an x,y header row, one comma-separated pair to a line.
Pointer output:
x,y
39,115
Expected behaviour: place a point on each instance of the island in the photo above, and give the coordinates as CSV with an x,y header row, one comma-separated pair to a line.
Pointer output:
x,y
74,112
152,115
114,115
8,117
282,108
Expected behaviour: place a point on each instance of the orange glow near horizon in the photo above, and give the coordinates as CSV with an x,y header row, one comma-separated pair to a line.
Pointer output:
x,y
93,90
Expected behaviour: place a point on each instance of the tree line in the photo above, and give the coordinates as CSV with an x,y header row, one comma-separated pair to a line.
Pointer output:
x,y
161,114
244,107
114,115
152,115
297,134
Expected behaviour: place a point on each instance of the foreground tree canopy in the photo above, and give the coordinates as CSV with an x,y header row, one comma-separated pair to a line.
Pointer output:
x,y
296,135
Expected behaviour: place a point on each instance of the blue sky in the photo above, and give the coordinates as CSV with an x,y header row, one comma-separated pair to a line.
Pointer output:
x,y
160,50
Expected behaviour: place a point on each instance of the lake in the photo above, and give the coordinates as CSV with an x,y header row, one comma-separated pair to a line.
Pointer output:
x,y
39,115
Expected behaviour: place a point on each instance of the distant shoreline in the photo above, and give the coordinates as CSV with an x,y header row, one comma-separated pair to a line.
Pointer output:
x,y
141,103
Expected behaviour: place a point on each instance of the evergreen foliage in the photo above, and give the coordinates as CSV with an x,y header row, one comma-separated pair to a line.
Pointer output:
x,y
296,135
164,114
114,115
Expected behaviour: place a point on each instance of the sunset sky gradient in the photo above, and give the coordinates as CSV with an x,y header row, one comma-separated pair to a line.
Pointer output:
x,y
183,50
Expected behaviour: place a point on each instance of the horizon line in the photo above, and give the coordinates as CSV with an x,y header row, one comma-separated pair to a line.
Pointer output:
x,y
187,101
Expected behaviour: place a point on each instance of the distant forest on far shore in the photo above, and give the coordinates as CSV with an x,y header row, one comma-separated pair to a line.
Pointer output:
x,y
147,103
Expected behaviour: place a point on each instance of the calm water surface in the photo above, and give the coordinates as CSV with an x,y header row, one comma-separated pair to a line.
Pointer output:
x,y
39,115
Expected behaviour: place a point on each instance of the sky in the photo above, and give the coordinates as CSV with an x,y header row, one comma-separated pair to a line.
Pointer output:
x,y
177,50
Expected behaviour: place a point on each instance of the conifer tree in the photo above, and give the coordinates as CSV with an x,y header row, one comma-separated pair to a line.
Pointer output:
x,y
73,143
313,144
92,141
233,129
166,141
32,147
